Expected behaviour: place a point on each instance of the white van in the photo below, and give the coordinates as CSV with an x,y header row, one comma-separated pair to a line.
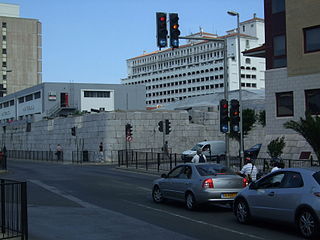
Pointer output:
x,y
213,150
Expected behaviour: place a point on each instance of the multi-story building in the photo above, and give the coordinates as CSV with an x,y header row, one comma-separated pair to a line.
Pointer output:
x,y
20,51
197,68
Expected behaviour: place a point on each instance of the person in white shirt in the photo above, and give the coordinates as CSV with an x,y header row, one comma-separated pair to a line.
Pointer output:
x,y
199,157
249,169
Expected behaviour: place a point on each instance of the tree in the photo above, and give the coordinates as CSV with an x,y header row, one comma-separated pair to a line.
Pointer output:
x,y
308,128
249,118
275,147
261,117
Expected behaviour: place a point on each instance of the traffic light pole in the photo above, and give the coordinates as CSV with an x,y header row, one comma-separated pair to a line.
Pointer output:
x,y
226,94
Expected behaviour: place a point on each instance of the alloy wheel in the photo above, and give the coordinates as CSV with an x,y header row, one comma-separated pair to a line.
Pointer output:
x,y
157,195
307,223
242,212
190,201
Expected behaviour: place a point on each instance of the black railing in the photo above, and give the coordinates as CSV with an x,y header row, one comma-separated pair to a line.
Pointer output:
x,y
13,210
158,161
35,155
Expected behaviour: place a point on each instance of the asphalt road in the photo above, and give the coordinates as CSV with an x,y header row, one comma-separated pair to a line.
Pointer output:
x,y
102,202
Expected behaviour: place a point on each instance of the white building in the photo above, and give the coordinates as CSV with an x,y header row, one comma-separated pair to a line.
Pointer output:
x,y
197,68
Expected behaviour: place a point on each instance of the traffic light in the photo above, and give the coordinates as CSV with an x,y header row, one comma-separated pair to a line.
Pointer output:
x,y
224,118
73,131
168,127
162,32
160,124
234,116
174,30
128,130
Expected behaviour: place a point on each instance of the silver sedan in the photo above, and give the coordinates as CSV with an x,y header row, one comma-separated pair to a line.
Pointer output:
x,y
289,195
198,183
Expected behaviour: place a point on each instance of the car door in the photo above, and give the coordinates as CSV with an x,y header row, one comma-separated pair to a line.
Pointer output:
x,y
263,197
169,184
182,183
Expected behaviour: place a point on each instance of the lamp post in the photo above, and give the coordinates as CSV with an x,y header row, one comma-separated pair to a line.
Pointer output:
x,y
233,13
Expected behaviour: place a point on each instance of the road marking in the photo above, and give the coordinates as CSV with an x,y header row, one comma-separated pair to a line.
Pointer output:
x,y
65,195
144,189
196,221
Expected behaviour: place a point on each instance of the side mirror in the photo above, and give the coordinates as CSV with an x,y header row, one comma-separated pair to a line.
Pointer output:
x,y
163,175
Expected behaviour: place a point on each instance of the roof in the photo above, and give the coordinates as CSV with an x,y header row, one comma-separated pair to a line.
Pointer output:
x,y
256,52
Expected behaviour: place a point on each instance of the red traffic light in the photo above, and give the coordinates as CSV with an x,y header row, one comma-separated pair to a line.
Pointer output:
x,y
162,19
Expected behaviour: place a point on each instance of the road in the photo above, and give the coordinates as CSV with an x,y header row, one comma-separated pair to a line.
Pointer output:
x,y
96,202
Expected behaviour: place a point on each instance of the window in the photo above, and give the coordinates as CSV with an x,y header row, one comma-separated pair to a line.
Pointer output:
x,y
273,181
4,51
292,180
284,104
11,102
278,6
311,39
97,94
279,45
21,99
175,172
4,24
37,95
29,97
312,98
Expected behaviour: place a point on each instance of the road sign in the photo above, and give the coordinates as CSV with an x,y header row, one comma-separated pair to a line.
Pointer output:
x,y
129,138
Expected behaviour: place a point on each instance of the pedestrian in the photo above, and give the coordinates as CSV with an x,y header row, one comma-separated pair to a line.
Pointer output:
x,y
59,152
199,157
277,165
249,170
101,153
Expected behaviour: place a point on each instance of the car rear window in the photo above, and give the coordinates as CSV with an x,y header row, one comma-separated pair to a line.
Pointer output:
x,y
213,169
317,177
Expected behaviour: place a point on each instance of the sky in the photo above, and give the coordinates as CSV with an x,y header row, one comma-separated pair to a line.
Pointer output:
x,y
90,41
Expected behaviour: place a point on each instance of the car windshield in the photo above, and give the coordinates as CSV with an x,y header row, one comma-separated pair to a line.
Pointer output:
x,y
213,169
317,177
196,147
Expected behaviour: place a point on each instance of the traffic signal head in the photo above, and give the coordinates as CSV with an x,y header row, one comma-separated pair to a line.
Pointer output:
x,y
160,124
174,30
224,116
234,116
168,127
128,130
162,32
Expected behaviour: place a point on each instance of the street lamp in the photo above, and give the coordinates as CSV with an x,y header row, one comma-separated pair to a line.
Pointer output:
x,y
233,13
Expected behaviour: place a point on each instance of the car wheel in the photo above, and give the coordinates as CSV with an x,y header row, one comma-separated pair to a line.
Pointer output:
x,y
241,211
307,223
190,201
157,195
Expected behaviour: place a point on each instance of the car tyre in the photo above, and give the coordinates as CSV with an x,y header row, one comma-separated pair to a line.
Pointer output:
x,y
157,195
190,201
307,223
241,211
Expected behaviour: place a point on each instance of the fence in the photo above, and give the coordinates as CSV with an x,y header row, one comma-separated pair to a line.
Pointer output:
x,y
13,210
34,155
158,161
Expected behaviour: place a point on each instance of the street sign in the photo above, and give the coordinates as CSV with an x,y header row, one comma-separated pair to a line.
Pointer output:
x,y
129,138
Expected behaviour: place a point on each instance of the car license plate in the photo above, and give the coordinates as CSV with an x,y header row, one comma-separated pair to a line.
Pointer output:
x,y
228,195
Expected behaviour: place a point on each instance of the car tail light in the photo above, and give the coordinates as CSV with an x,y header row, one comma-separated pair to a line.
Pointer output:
x,y
208,183
244,182
317,194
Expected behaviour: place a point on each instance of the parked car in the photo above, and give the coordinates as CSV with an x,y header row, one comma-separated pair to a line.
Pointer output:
x,y
253,151
289,195
198,183
211,149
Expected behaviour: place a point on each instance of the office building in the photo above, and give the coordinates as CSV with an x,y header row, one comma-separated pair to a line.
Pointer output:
x,y
21,53
197,68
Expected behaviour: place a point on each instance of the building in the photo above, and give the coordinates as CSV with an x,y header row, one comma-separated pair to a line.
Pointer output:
x,y
197,68
292,61
60,99
21,52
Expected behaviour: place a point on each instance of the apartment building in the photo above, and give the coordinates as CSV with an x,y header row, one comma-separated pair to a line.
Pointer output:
x,y
197,68
21,53
292,60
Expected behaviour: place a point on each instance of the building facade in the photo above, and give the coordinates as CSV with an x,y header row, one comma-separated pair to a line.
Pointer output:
x,y
60,99
292,60
197,68
21,52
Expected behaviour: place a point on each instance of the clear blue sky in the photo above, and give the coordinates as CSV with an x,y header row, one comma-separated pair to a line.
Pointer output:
x,y
89,41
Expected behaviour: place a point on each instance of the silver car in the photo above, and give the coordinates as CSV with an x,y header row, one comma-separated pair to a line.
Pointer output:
x,y
198,183
290,195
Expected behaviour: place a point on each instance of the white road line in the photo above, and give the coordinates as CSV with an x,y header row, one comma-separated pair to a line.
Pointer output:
x,y
65,195
196,221
144,189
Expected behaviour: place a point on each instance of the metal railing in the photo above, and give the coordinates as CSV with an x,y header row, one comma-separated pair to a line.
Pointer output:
x,y
34,155
13,210
158,161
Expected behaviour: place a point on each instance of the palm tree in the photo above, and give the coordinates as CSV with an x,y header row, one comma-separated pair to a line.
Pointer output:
x,y
308,128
